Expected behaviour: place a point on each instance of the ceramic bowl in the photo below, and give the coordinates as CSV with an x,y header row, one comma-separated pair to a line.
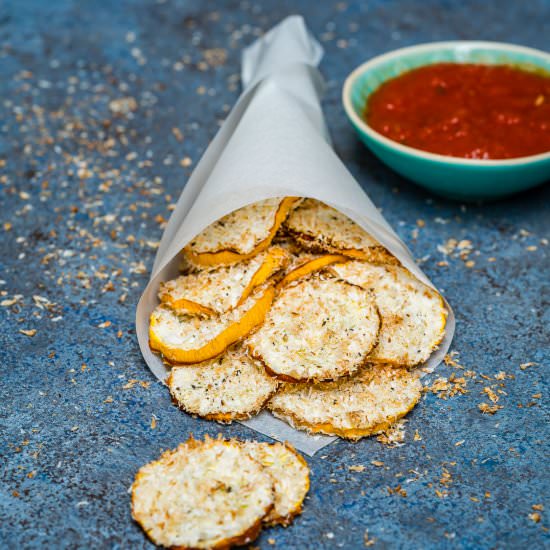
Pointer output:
x,y
457,178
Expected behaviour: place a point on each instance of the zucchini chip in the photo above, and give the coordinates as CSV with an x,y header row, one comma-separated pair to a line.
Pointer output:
x,y
317,330
231,387
290,474
216,291
241,234
413,314
353,407
188,339
209,494
319,227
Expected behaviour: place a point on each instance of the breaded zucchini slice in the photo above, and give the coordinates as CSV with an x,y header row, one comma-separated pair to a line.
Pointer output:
x,y
319,227
185,339
353,407
290,474
413,314
209,494
316,330
231,387
216,291
241,234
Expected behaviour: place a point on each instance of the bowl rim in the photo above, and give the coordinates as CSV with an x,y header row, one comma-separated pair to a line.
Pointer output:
x,y
359,123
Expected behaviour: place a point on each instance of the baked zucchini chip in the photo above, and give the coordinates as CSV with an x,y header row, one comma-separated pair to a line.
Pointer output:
x,y
185,339
319,227
290,474
413,314
317,330
209,494
216,291
241,234
353,407
231,387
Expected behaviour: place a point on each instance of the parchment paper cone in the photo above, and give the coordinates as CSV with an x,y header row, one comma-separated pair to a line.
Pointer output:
x,y
273,143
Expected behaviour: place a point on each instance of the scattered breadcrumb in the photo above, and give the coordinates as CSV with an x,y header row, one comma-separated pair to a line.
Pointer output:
x,y
450,360
133,381
123,105
485,408
398,490
393,436
491,394
367,540
448,387
524,366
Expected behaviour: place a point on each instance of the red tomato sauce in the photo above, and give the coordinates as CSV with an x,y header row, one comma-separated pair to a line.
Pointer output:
x,y
465,110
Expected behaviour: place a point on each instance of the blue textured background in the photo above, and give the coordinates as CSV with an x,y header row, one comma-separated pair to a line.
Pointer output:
x,y
84,191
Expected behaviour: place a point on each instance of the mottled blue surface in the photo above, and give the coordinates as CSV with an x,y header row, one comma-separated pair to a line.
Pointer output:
x,y
84,190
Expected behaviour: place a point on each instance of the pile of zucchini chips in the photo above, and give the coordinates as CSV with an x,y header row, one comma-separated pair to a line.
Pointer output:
x,y
217,493
289,305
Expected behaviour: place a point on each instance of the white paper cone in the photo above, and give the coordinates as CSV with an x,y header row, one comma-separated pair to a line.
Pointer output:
x,y
274,143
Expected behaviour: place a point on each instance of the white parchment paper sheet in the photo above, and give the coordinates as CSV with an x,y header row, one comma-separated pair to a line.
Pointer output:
x,y
274,143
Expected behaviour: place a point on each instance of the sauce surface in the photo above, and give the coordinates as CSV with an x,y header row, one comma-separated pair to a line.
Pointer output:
x,y
465,110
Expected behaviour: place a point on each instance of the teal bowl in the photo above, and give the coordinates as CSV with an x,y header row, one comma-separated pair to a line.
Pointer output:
x,y
456,178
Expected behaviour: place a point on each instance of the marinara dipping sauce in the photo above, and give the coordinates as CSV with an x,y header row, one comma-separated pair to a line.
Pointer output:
x,y
465,110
